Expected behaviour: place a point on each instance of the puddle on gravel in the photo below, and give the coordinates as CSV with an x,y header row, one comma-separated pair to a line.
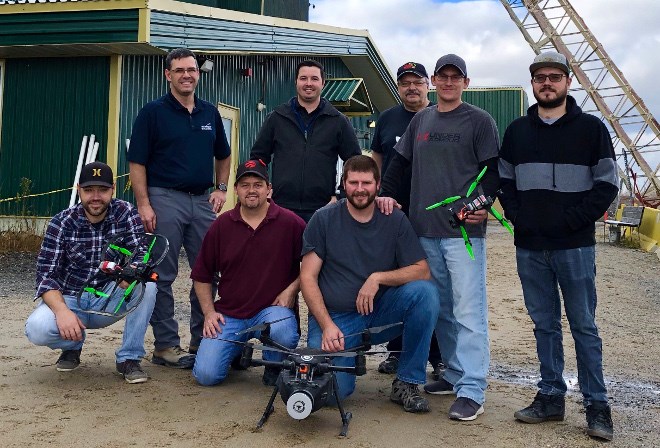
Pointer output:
x,y
622,391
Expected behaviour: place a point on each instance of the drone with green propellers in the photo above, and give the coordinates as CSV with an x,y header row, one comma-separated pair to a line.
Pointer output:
x,y
480,202
128,264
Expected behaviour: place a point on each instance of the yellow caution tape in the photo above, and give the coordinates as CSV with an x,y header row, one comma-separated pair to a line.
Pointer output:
x,y
19,197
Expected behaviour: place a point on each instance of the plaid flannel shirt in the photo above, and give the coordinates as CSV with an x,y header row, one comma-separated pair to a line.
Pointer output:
x,y
72,248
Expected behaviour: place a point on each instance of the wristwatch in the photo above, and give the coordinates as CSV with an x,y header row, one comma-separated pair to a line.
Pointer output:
x,y
221,186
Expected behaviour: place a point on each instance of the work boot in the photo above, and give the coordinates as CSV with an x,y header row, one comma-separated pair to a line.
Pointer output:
x,y
408,395
544,408
599,420
173,357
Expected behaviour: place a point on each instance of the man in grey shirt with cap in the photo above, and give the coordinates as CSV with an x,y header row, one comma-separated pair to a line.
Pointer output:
x,y
448,146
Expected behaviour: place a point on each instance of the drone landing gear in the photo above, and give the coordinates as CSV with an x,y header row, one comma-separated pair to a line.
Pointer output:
x,y
345,416
269,408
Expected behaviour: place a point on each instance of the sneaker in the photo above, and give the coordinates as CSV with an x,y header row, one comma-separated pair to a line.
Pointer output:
x,y
270,375
599,421
69,360
132,371
192,349
390,365
544,408
465,409
173,357
440,387
438,370
408,395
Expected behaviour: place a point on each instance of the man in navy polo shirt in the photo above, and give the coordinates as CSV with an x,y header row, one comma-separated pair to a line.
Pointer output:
x,y
255,248
175,140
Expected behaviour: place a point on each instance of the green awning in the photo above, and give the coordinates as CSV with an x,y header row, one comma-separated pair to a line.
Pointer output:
x,y
348,95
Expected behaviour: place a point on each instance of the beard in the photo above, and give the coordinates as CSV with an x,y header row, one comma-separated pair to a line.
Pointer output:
x,y
95,212
361,206
551,104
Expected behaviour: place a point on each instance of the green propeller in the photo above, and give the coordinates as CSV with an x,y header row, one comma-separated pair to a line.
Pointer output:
x,y
91,290
468,244
474,184
126,293
120,249
443,202
501,219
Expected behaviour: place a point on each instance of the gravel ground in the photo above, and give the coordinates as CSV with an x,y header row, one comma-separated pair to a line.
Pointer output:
x,y
94,407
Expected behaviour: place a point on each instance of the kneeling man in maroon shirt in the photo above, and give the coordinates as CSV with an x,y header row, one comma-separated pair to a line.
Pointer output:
x,y
255,248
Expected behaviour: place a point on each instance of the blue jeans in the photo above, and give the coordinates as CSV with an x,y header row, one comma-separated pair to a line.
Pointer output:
x,y
415,304
574,271
214,356
41,328
462,328
183,219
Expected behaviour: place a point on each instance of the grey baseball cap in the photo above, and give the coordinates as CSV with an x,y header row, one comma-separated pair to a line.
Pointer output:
x,y
451,59
550,59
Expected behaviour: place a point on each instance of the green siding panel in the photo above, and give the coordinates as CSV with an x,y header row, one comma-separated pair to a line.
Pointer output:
x,y
69,27
48,105
272,82
169,30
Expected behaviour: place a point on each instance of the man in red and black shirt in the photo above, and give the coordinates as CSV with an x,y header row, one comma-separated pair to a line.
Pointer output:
x,y
255,248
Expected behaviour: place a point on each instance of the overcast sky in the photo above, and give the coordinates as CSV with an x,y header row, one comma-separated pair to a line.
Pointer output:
x,y
495,51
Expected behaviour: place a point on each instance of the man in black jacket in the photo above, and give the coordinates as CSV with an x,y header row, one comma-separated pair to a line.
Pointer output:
x,y
304,137
558,176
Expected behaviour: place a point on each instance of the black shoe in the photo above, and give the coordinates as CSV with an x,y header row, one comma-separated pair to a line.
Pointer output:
x,y
236,363
440,387
270,375
132,371
390,365
544,408
599,420
69,360
438,370
465,409
408,395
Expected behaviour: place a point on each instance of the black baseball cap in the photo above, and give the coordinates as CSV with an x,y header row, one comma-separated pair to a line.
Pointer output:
x,y
256,167
451,59
96,173
412,67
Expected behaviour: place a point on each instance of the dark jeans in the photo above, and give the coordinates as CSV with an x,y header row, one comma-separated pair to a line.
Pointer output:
x,y
542,273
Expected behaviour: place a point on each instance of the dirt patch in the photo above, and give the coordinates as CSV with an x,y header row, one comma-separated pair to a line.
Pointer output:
x,y
94,407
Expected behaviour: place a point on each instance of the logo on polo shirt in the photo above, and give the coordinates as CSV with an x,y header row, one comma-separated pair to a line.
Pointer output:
x,y
207,127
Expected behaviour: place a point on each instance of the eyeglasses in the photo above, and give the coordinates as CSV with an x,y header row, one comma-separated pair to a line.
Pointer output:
x,y
452,78
181,71
553,77
406,84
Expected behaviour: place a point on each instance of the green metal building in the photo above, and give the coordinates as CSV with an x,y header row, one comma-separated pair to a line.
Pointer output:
x,y
69,69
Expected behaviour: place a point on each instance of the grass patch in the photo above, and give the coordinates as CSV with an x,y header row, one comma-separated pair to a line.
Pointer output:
x,y
19,241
